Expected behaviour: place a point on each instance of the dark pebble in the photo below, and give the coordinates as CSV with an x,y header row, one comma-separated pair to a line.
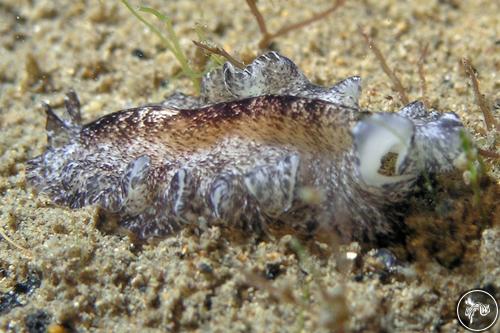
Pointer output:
x,y
490,289
138,53
205,268
358,277
10,299
387,258
37,322
272,271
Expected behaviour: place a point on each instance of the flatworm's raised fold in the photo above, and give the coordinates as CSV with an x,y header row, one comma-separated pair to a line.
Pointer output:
x,y
244,153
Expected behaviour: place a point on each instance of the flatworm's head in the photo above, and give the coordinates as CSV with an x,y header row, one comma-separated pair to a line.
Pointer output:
x,y
423,142
242,153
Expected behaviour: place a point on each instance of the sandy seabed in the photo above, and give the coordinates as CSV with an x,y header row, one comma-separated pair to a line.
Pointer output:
x,y
78,276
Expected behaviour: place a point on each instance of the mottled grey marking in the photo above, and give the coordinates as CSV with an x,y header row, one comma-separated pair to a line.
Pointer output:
x,y
273,186
241,154
225,196
436,141
182,195
135,186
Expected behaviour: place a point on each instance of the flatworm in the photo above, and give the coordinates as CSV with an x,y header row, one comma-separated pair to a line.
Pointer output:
x,y
244,153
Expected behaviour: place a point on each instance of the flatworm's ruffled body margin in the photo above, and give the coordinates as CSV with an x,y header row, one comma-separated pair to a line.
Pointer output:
x,y
244,153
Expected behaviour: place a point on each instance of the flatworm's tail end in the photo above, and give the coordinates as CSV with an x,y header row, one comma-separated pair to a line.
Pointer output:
x,y
35,172
45,173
